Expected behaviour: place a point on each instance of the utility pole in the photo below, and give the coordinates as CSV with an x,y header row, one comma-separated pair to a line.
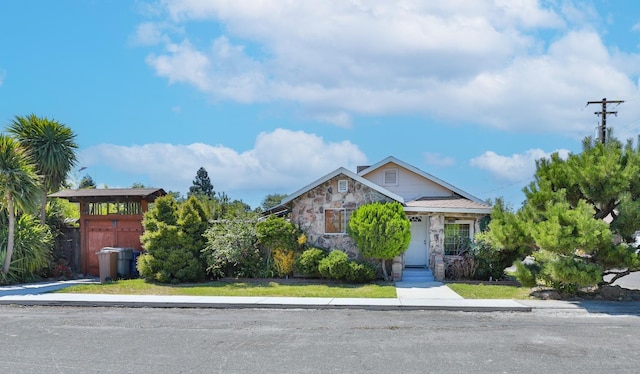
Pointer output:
x,y
603,125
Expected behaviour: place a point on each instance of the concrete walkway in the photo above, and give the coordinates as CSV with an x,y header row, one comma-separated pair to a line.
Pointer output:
x,y
425,290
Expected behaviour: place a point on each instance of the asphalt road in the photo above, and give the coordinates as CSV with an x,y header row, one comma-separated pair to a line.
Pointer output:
x,y
121,340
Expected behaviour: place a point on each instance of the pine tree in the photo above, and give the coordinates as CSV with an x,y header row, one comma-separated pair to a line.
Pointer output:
x,y
563,221
202,185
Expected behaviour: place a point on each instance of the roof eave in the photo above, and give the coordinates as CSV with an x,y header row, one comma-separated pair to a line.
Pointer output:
x,y
447,210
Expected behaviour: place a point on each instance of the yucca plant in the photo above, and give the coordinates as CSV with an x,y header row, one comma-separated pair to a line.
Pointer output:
x,y
18,188
32,249
51,147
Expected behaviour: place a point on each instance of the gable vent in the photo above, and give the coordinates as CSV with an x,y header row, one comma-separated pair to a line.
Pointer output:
x,y
391,177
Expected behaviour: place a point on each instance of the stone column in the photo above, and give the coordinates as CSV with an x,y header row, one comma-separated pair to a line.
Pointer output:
x,y
396,268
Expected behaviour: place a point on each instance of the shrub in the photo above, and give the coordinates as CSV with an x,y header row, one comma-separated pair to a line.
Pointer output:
x,y
381,231
492,259
59,269
334,266
308,262
32,249
172,241
278,233
462,267
231,249
283,261
360,272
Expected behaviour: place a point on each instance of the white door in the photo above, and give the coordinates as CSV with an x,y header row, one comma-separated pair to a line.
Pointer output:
x,y
418,252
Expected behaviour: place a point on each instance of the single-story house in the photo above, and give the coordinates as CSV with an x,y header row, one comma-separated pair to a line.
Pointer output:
x,y
443,217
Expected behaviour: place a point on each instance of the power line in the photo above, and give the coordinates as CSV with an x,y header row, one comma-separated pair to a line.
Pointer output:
x,y
603,125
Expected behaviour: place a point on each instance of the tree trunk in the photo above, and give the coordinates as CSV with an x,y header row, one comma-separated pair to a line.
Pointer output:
x,y
43,208
384,270
10,239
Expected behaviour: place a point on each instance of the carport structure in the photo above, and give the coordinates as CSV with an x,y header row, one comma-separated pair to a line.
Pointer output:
x,y
109,218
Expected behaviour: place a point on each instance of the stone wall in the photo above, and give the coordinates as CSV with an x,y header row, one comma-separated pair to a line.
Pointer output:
x,y
307,211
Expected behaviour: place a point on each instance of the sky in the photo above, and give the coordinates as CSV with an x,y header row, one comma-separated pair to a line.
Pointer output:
x,y
270,95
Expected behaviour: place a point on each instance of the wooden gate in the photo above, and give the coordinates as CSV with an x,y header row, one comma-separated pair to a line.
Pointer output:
x,y
99,233
109,218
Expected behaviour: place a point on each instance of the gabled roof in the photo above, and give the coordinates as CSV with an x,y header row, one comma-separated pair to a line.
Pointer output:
x,y
109,194
349,174
422,174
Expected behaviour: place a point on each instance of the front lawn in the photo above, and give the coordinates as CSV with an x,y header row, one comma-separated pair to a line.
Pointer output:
x,y
481,291
240,288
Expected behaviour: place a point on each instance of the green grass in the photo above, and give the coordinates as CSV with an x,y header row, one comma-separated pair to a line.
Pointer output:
x,y
239,288
481,291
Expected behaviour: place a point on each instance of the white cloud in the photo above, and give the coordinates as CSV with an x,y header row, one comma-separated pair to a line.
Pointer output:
x,y
480,61
514,168
281,160
150,33
437,159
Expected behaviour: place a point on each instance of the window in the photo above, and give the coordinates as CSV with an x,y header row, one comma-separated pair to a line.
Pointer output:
x,y
457,237
391,177
335,220
343,185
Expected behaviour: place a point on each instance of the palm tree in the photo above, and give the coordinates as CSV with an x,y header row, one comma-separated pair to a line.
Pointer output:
x,y
51,146
19,187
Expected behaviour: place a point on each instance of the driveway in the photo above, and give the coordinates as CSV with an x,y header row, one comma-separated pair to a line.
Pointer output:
x,y
631,281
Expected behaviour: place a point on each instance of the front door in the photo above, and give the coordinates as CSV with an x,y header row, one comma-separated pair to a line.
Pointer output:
x,y
418,252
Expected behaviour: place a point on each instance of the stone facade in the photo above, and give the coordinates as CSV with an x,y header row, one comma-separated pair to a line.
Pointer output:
x,y
307,211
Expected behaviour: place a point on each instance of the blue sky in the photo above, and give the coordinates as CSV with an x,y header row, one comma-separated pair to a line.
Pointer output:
x,y
270,95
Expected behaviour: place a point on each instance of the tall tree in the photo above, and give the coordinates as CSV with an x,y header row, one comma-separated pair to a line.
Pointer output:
x,y
202,184
18,187
87,182
564,221
51,146
272,200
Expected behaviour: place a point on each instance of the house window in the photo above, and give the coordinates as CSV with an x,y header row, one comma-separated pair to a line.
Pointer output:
x,y
457,237
391,177
335,220
343,185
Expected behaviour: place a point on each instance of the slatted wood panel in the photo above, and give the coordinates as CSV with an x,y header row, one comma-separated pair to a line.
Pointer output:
x,y
100,233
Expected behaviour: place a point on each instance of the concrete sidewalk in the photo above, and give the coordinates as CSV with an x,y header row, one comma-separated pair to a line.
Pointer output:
x,y
411,296
425,296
